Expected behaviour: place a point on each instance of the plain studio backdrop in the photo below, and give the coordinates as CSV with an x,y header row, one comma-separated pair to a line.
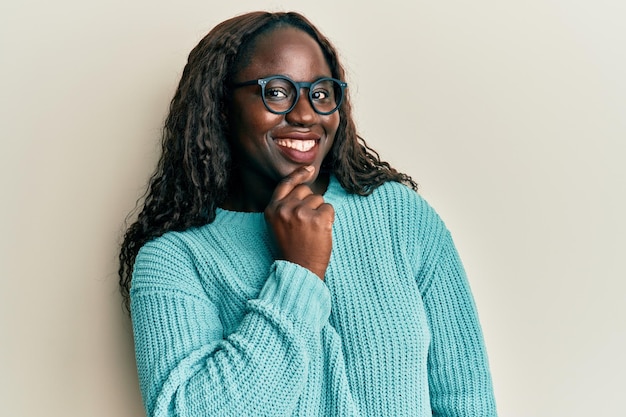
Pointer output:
x,y
511,115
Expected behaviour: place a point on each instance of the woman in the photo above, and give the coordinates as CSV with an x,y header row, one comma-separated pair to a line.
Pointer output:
x,y
278,267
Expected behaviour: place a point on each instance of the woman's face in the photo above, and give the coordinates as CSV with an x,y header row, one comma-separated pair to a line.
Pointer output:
x,y
267,146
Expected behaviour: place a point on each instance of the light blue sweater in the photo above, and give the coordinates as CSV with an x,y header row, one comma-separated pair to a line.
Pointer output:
x,y
222,329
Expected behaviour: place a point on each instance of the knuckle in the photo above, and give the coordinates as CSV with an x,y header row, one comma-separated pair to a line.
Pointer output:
x,y
301,212
282,211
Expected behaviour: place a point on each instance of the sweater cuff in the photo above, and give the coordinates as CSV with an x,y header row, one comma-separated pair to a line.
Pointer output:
x,y
298,292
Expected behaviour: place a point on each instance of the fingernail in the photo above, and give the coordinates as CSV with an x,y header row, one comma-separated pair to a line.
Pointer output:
x,y
310,168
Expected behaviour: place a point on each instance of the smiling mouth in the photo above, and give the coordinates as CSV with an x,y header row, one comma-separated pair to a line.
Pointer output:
x,y
297,144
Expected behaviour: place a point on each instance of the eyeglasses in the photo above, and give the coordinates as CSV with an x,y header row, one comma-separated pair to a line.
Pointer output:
x,y
280,93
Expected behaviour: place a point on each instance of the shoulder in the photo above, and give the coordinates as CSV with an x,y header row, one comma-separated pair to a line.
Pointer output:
x,y
170,246
398,193
413,222
166,261
395,207
183,245
407,207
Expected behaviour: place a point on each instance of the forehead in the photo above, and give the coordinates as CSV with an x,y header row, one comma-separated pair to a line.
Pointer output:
x,y
285,51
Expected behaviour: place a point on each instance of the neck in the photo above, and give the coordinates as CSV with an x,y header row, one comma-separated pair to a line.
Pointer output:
x,y
253,196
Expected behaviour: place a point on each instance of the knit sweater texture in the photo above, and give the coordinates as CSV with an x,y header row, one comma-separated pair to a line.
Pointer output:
x,y
222,328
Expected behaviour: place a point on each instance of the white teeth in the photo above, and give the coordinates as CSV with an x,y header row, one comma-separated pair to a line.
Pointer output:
x,y
299,145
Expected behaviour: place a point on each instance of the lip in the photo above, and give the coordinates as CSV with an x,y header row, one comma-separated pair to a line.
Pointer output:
x,y
298,136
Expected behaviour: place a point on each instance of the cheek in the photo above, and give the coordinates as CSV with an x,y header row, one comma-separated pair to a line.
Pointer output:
x,y
264,121
254,124
333,124
249,116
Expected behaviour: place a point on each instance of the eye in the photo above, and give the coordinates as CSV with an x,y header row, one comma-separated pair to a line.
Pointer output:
x,y
279,89
323,91
276,93
320,94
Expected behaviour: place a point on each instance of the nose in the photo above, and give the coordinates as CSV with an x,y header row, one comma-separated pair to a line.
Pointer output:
x,y
303,112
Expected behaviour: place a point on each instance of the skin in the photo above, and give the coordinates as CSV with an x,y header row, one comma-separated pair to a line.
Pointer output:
x,y
286,185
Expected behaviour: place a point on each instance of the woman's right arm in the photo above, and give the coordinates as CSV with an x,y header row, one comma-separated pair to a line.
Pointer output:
x,y
188,368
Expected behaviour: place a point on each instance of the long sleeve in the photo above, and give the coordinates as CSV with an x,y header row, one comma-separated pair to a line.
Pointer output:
x,y
187,367
459,378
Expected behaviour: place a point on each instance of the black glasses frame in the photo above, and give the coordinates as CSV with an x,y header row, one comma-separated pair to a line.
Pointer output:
x,y
299,86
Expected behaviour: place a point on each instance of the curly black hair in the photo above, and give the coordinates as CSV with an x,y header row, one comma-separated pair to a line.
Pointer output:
x,y
193,172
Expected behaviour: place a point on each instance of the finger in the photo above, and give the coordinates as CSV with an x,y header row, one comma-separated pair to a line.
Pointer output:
x,y
295,201
324,217
313,201
291,181
328,210
300,192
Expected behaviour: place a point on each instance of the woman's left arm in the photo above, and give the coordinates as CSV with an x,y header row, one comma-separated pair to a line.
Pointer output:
x,y
459,376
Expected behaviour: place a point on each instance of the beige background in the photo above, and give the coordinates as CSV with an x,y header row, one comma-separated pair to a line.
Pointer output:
x,y
510,114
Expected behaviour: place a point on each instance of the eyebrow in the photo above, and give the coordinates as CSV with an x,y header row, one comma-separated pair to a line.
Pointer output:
x,y
315,78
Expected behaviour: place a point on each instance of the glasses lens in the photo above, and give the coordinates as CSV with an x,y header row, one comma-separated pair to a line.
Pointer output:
x,y
326,95
280,94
